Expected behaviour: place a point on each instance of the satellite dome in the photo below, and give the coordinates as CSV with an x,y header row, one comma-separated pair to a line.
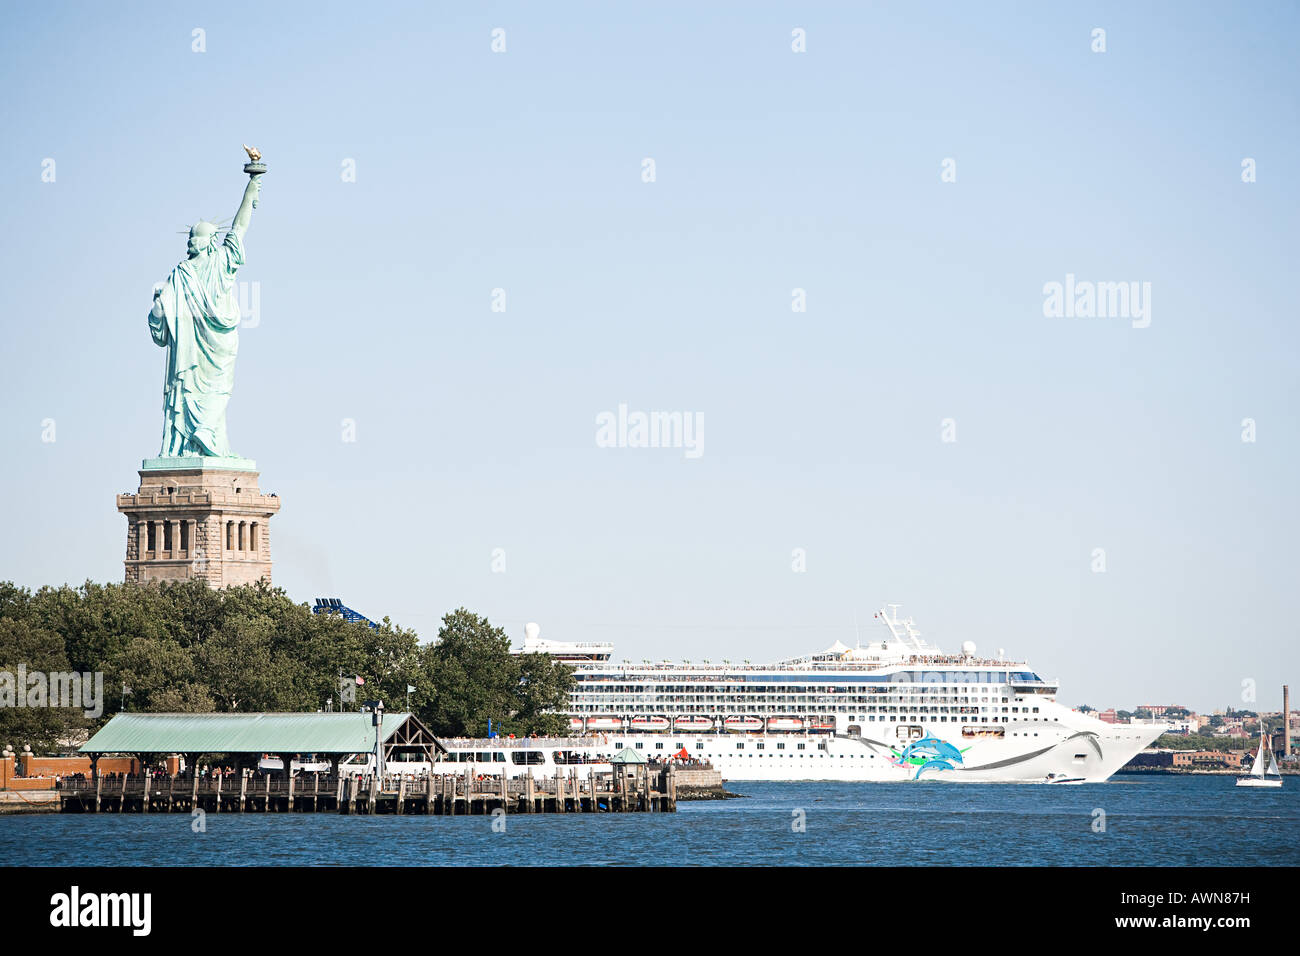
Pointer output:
x,y
968,648
531,630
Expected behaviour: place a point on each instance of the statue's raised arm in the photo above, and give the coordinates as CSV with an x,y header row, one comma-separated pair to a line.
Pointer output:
x,y
247,205
256,169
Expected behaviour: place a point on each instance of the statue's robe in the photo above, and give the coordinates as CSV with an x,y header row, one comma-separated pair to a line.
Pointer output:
x,y
196,318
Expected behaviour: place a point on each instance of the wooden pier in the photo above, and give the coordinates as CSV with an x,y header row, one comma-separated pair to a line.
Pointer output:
x,y
437,794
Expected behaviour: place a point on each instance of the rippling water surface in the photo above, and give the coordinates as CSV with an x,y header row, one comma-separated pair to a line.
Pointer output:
x,y
1148,821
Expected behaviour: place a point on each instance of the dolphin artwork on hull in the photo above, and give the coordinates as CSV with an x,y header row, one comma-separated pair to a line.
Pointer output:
x,y
930,753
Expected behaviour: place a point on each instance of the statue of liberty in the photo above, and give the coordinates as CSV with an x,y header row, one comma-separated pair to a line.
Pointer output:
x,y
195,316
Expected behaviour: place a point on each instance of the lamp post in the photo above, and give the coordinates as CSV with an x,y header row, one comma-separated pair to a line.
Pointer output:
x,y
377,721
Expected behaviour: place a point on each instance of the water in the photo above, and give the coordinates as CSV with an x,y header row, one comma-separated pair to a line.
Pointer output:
x,y
1158,820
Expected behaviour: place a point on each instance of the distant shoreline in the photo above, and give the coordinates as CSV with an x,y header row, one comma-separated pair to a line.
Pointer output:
x,y
1181,771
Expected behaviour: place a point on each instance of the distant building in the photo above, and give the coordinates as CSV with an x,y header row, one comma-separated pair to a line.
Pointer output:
x,y
1278,741
1158,709
1211,759
1185,725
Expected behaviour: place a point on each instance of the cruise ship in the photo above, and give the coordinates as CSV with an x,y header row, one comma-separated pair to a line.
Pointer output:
x,y
893,709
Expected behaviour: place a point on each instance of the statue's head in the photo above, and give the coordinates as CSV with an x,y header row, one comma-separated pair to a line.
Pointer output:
x,y
203,237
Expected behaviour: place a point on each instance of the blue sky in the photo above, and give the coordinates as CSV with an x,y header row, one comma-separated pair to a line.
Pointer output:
x,y
522,170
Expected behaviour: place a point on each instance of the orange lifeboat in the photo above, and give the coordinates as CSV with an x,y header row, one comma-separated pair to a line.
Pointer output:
x,y
652,724
784,725
698,725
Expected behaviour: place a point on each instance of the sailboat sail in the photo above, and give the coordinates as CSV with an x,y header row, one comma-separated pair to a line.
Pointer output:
x,y
1272,765
1257,770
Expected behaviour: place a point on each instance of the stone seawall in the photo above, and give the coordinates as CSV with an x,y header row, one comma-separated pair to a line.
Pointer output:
x,y
700,785
698,778
31,801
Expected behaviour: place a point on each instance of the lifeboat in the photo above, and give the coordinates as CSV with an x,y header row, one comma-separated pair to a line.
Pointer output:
x,y
697,724
653,723
743,725
604,723
784,724
822,724
575,723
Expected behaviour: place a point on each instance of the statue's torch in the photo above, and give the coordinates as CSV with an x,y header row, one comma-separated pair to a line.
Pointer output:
x,y
254,166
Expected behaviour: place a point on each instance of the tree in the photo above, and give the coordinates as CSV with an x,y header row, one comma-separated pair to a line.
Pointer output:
x,y
37,651
471,677
162,676
187,648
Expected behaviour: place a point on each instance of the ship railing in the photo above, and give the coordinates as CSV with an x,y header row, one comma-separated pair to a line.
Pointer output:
x,y
874,664
457,744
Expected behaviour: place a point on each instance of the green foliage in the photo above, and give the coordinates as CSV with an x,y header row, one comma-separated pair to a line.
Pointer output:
x,y
36,649
1199,742
470,677
187,648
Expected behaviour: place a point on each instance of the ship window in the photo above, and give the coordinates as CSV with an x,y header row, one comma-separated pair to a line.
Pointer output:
x,y
780,746
740,746
800,746
761,747
498,757
639,745
659,746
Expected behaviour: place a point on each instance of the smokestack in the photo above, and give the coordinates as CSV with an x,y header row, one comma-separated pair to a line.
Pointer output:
x,y
1286,720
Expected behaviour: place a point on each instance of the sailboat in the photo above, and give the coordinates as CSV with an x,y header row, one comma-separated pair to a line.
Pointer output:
x,y
1259,775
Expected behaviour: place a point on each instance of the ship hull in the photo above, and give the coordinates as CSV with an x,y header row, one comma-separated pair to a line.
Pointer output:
x,y
1067,755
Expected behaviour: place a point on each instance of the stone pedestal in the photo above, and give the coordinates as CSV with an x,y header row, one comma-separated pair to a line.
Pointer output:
x,y
198,518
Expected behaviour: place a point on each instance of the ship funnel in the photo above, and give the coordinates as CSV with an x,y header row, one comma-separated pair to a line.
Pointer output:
x,y
531,630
